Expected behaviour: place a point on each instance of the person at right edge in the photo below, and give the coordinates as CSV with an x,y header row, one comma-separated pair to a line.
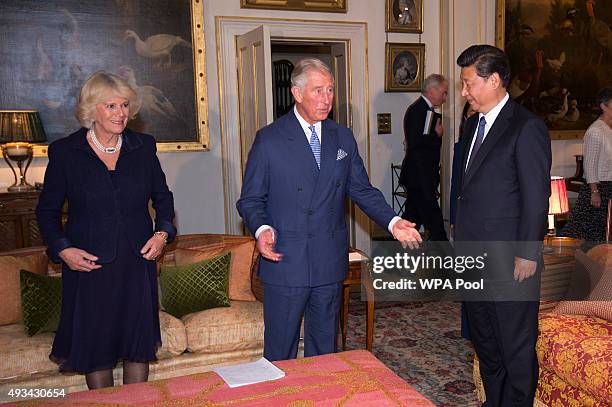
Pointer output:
x,y
420,174
503,193
588,219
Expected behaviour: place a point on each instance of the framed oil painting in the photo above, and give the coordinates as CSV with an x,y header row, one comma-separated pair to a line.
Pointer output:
x,y
156,45
335,6
404,67
560,56
404,16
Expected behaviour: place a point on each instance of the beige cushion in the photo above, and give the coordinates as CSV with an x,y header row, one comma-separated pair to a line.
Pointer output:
x,y
593,273
10,293
22,355
240,267
174,337
237,327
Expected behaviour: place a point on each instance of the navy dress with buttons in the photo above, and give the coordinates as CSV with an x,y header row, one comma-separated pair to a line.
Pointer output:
x,y
111,313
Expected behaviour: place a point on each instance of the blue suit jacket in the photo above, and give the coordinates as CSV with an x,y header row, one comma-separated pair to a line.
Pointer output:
x,y
96,209
284,188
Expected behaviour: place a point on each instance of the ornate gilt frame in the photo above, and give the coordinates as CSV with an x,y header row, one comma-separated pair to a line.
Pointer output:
x,y
391,25
331,6
392,50
201,140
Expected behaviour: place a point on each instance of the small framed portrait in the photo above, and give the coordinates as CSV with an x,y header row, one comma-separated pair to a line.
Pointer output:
x,y
404,16
404,67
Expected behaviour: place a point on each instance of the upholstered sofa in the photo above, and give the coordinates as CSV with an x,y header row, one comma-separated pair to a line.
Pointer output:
x,y
197,342
574,345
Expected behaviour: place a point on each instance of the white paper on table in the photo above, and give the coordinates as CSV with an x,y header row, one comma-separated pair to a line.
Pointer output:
x,y
249,373
356,256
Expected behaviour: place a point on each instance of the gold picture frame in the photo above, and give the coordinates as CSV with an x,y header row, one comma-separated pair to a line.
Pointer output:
x,y
404,67
331,6
171,83
556,72
404,16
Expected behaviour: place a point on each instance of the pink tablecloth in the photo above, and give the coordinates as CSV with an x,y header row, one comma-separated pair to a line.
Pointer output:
x,y
354,378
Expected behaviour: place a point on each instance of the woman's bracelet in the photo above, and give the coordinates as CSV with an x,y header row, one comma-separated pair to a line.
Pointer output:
x,y
164,235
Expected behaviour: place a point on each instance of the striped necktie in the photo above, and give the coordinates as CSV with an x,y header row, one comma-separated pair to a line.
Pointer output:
x,y
315,146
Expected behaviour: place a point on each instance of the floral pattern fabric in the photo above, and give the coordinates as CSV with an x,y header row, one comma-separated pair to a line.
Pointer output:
x,y
578,350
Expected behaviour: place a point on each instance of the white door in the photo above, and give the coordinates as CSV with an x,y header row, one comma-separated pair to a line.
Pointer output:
x,y
254,65
341,105
342,116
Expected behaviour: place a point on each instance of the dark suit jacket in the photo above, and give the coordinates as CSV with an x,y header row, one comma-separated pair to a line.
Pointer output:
x,y
96,209
421,165
504,194
284,188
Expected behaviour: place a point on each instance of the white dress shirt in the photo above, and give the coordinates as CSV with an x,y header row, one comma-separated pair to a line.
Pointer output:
x,y
306,127
490,119
427,101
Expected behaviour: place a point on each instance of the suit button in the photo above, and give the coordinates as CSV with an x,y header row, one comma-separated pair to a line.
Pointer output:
x,y
337,184
459,198
310,212
310,235
299,189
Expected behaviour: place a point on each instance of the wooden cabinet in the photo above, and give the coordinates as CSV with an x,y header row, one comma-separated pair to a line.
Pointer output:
x,y
18,226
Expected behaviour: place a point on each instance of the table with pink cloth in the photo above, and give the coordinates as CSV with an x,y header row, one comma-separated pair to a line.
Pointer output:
x,y
354,378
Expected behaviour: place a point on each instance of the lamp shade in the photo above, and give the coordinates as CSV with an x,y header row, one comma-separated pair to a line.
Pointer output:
x,y
21,126
557,203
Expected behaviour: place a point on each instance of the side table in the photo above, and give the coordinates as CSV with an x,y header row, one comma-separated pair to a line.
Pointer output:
x,y
559,264
354,278
18,226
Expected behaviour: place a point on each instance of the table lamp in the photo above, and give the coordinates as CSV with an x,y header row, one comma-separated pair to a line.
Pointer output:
x,y
557,203
18,129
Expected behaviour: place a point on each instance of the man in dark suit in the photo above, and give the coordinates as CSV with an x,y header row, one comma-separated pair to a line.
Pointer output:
x,y
420,174
298,173
503,195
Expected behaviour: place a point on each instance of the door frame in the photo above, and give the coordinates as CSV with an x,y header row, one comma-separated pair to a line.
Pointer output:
x,y
355,34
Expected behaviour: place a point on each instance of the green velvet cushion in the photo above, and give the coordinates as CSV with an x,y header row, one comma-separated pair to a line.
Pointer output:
x,y
195,287
41,302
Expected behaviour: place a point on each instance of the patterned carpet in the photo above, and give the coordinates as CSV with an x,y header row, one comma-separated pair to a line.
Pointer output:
x,y
421,342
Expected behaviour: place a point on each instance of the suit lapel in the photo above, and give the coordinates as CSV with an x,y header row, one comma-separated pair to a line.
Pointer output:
x,y
329,151
470,130
300,155
495,134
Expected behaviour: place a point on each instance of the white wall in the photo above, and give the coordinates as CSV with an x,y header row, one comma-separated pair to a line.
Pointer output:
x,y
385,148
196,177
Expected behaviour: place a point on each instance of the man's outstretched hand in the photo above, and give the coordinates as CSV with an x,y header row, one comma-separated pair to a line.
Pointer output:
x,y
407,235
265,245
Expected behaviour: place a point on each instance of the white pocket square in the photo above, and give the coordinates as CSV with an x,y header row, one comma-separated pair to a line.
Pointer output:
x,y
341,154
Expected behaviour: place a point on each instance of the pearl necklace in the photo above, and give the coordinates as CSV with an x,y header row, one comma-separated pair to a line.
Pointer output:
x,y
99,146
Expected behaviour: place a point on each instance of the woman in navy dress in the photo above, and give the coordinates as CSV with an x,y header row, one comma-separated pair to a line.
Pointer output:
x,y
107,174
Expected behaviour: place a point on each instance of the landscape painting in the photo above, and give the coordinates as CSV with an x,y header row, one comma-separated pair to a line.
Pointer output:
x,y
560,54
53,46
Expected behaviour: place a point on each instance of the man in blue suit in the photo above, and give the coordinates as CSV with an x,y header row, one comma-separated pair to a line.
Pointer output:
x,y
298,173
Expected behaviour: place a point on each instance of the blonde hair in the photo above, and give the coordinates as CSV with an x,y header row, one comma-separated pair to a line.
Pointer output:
x,y
99,87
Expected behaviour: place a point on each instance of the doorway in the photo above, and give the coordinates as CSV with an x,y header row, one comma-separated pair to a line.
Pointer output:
x,y
287,53
341,44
